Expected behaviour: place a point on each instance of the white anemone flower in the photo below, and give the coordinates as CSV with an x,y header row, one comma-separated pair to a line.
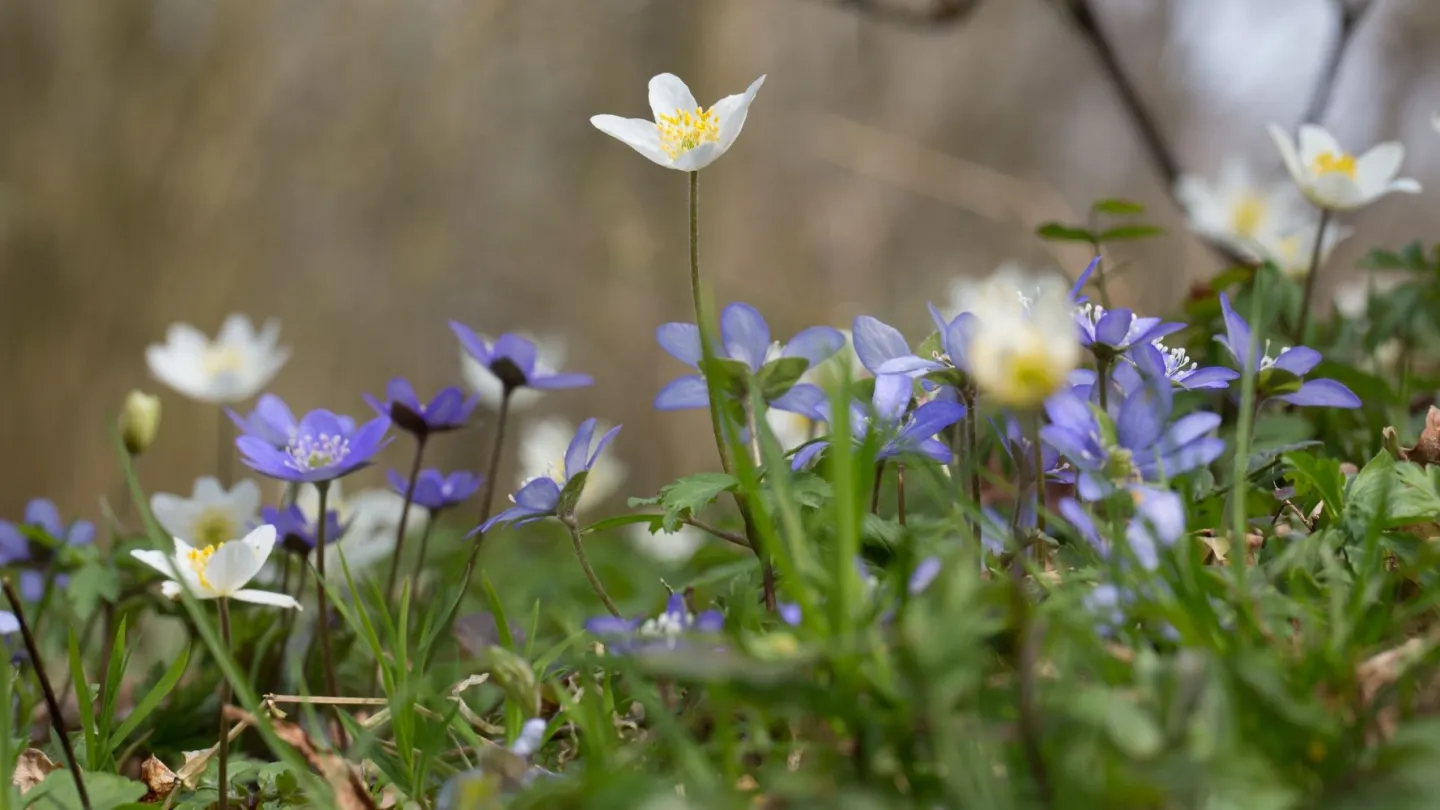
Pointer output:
x,y
210,516
667,547
542,455
1292,251
683,136
962,288
550,351
231,368
218,571
1236,210
1025,344
1336,180
371,518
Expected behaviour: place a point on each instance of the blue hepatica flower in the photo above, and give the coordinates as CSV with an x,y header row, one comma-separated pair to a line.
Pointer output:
x,y
540,497
448,410
34,558
1116,330
323,447
296,531
436,491
1282,376
745,339
271,421
1137,444
1179,368
512,359
1159,521
900,432
665,631
886,352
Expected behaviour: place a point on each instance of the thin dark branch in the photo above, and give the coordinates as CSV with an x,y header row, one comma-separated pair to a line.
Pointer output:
x,y
1350,16
729,537
932,14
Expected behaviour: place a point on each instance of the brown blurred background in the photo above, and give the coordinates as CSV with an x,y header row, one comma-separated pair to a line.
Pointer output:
x,y
365,170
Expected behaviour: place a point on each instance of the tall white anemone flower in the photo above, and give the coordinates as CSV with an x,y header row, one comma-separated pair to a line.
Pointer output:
x,y
1025,343
550,351
233,367
218,571
542,455
1336,180
1236,210
683,135
211,515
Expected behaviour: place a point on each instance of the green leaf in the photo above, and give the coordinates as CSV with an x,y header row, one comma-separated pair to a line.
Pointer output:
x,y
1318,477
91,583
690,494
619,521
731,376
1056,232
106,791
778,376
1117,207
570,495
84,700
1129,727
1367,499
1127,233
152,699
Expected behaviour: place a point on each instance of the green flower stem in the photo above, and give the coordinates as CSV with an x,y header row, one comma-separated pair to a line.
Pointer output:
x,y
1039,462
1102,377
424,547
579,544
322,602
222,779
767,565
405,513
702,320
900,492
1305,297
50,702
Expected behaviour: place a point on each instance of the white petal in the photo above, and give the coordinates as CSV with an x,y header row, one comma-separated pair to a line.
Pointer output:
x,y
668,94
245,501
175,514
1376,168
636,133
1406,185
1316,141
207,492
732,111
180,371
171,589
542,447
260,369
698,158
155,559
182,549
1337,192
269,336
1293,164
261,542
266,598
236,331
675,548
232,566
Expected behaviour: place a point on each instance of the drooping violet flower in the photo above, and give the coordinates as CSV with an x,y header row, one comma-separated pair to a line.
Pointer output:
x,y
324,447
1282,376
541,497
513,359
1137,444
900,432
747,352
35,558
665,631
1159,521
436,491
448,410
272,421
296,531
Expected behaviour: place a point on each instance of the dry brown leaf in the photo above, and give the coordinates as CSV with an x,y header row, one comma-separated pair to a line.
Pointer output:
x,y
158,778
1219,546
350,791
1427,444
31,769
1381,670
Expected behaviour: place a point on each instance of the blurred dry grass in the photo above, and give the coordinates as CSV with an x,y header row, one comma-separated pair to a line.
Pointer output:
x,y
365,170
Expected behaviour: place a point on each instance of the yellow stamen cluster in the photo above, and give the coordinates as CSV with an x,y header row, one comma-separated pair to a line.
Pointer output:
x,y
687,129
199,558
213,527
222,359
1332,163
1247,215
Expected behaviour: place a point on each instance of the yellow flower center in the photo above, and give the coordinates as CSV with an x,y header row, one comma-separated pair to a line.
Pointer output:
x,y
1247,214
199,558
687,129
213,527
1332,163
222,359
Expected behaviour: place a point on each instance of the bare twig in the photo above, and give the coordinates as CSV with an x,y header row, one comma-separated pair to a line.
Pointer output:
x,y
1350,16
729,537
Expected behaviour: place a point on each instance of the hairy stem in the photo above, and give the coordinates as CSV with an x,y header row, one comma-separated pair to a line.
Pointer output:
x,y
405,513
578,543
222,780
424,546
322,602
